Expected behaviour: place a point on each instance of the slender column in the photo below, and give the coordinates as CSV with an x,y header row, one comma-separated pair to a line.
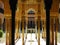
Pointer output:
x,y
42,29
26,28
48,7
9,29
56,31
23,31
19,29
45,28
16,32
7,34
52,29
36,27
42,32
23,24
13,7
38,30
38,19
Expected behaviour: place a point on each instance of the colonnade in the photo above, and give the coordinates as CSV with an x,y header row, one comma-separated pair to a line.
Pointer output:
x,y
17,34
8,30
53,30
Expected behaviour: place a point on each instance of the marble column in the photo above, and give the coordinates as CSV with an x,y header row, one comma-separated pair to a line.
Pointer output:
x,y
26,27
19,29
8,31
23,13
52,31
38,30
23,31
38,24
44,29
7,34
56,30
16,31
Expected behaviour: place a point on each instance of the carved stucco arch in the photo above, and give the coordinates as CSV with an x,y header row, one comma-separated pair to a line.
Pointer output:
x,y
30,10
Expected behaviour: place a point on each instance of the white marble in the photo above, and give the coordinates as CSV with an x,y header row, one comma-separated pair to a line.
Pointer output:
x,y
29,37
42,42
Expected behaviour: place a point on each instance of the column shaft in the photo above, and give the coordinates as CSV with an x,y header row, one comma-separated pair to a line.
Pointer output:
x,y
16,31
23,32
56,31
38,30
52,29
7,34
23,13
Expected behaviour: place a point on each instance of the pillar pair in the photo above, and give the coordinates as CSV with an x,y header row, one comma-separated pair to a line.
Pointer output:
x,y
53,30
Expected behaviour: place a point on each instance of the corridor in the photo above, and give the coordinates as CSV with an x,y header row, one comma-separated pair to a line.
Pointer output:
x,y
32,23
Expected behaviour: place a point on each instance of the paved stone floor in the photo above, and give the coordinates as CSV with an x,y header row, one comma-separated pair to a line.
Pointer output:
x,y
34,42
28,40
